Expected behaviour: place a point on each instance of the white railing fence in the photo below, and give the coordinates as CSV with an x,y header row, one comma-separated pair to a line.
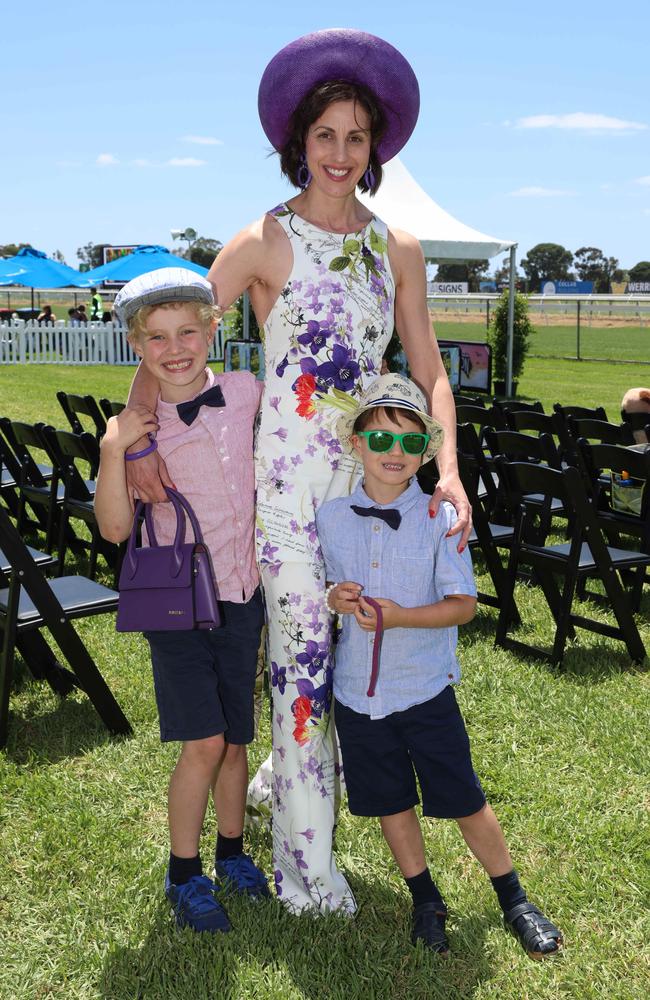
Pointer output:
x,y
25,343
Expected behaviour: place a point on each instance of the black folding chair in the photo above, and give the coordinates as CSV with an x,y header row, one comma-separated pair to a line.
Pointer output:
x,y
638,422
73,405
9,476
620,483
514,446
76,456
460,399
532,422
487,538
480,416
110,408
28,603
38,484
585,555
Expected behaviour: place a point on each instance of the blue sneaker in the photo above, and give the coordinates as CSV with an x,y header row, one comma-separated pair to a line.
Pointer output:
x,y
195,906
241,874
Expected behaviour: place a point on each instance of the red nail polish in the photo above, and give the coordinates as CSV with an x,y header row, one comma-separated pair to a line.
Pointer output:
x,y
432,513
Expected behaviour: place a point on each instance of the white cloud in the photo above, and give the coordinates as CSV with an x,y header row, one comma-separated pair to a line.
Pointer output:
x,y
580,121
106,160
202,140
539,192
643,180
185,161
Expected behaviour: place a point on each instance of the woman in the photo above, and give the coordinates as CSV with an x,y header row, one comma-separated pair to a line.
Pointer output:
x,y
328,282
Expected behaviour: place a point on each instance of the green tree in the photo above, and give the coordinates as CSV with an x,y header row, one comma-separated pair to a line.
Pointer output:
x,y
204,251
91,255
57,255
549,261
237,325
11,249
592,265
471,271
498,336
640,271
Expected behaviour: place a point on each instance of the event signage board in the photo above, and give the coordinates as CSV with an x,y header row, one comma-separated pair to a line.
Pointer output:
x,y
448,288
638,288
475,363
567,287
111,253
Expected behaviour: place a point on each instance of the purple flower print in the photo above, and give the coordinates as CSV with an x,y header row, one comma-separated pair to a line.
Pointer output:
x,y
274,403
279,371
277,878
309,834
313,657
268,552
315,336
298,856
278,677
295,527
342,371
281,433
377,284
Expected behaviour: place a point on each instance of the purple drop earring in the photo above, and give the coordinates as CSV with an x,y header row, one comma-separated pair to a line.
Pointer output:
x,y
304,173
369,178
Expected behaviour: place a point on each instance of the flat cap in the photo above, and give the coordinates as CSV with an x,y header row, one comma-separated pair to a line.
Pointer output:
x,y
165,284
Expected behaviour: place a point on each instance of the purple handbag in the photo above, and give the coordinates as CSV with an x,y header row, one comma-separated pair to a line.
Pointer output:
x,y
167,587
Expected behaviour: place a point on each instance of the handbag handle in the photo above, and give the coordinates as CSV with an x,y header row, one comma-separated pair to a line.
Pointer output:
x,y
180,504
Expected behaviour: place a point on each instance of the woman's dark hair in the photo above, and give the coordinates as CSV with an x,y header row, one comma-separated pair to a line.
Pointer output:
x,y
392,412
312,107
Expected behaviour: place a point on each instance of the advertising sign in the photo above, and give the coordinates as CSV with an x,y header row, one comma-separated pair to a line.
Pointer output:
x,y
448,288
638,288
111,253
475,363
567,287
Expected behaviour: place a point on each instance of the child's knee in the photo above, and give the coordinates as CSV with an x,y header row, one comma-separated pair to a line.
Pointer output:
x,y
234,754
206,753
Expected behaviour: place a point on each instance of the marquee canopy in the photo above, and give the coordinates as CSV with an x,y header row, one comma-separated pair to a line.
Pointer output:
x,y
402,203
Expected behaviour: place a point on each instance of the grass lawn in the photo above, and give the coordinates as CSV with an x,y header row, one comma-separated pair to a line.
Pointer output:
x,y
562,756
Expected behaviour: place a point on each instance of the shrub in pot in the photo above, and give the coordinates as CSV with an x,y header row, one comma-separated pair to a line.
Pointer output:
x,y
498,339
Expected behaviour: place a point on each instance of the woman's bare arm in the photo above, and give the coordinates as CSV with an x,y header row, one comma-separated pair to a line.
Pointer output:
x,y
423,354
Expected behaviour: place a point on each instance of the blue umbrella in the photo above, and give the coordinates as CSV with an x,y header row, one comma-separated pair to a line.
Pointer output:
x,y
141,260
35,269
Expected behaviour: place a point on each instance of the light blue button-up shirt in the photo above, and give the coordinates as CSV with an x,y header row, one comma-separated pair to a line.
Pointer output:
x,y
413,566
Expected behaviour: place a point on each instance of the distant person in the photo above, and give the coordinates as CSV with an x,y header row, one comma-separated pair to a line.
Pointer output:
x,y
96,306
83,315
73,316
107,316
636,401
46,316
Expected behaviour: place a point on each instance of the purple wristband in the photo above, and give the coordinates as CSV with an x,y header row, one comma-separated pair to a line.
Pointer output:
x,y
145,451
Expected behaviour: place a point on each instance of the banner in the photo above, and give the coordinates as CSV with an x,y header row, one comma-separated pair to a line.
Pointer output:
x,y
448,288
567,287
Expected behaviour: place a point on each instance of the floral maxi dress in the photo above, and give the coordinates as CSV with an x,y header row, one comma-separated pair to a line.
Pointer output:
x,y
323,343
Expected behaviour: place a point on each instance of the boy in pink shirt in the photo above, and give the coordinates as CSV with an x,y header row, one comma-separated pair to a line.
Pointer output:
x,y
204,680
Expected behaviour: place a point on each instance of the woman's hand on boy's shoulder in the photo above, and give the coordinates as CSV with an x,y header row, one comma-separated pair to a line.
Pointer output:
x,y
127,428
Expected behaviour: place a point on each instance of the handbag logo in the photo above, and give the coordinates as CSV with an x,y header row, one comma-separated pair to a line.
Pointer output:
x,y
173,612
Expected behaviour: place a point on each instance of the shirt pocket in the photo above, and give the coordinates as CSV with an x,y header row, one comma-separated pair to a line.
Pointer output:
x,y
411,576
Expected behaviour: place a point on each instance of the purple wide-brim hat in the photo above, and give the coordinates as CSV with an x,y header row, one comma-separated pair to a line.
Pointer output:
x,y
340,54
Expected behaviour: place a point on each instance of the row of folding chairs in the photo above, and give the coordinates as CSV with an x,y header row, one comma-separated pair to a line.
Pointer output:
x,y
519,485
76,407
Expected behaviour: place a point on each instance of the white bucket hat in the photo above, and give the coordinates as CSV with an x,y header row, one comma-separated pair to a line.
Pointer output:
x,y
400,393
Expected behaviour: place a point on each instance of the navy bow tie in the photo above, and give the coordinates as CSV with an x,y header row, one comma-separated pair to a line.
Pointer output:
x,y
391,517
189,410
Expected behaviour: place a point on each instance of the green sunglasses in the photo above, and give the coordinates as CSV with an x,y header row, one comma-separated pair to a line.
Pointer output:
x,y
411,443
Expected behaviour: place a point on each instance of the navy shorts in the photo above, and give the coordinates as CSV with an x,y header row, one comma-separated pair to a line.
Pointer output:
x,y
204,679
381,758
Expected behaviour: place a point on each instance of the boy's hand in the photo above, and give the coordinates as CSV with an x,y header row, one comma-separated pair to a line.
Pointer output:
x,y
366,615
344,598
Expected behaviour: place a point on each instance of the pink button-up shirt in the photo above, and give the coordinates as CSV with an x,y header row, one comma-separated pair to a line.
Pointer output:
x,y
211,463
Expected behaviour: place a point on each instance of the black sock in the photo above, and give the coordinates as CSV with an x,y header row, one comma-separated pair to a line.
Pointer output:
x,y
181,870
228,847
424,890
509,890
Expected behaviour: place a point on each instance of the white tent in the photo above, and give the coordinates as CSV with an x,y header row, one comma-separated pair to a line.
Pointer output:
x,y
402,203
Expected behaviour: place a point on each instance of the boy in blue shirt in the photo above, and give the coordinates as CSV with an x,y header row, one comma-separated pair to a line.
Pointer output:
x,y
397,715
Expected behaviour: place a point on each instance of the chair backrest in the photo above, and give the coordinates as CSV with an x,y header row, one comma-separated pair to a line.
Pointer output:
x,y
600,430
638,422
590,412
462,400
69,449
517,405
73,405
599,459
515,446
24,438
110,408
480,416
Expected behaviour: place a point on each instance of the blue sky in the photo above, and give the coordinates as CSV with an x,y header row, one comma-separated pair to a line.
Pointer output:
x,y
124,120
